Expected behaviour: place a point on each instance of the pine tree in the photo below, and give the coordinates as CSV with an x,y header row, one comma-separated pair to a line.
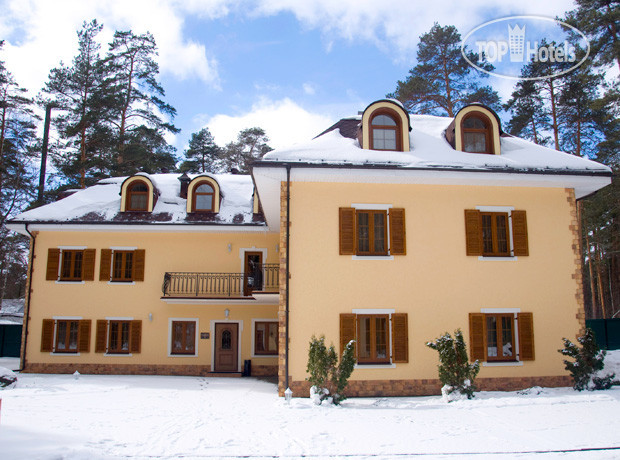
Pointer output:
x,y
443,81
529,119
251,145
203,154
136,104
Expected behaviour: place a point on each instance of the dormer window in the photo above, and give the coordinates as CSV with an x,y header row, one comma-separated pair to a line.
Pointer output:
x,y
384,133
476,132
203,198
137,197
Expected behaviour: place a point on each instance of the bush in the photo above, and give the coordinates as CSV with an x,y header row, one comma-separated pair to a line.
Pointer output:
x,y
455,372
328,378
589,361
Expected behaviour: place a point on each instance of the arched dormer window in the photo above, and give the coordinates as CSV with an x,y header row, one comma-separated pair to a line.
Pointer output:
x,y
476,131
138,194
203,198
137,197
203,195
385,126
385,132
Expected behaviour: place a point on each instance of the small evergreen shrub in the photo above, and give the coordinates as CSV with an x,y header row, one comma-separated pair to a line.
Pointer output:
x,y
455,372
329,378
589,361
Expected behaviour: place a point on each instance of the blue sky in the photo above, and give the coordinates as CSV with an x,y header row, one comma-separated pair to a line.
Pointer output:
x,y
292,67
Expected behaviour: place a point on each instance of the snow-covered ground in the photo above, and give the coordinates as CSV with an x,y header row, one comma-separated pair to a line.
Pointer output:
x,y
112,417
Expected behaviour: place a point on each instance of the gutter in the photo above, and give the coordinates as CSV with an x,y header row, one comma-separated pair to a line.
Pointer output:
x,y
288,273
22,361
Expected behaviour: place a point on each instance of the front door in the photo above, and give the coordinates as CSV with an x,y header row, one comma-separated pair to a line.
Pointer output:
x,y
253,279
226,347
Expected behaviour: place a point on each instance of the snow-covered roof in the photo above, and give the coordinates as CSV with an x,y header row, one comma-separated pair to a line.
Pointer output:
x,y
12,311
431,150
101,203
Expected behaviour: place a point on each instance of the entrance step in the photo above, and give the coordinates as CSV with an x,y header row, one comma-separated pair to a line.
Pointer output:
x,y
223,374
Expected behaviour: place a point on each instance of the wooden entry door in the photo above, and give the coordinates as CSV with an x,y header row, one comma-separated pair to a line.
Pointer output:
x,y
252,268
226,347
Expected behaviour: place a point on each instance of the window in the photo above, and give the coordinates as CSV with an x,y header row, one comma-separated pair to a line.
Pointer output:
x,y
266,338
137,196
70,265
122,265
65,335
366,232
488,234
183,338
493,337
380,338
476,132
118,336
203,197
384,132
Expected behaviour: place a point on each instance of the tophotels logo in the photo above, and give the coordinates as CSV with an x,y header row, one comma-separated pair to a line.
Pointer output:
x,y
515,41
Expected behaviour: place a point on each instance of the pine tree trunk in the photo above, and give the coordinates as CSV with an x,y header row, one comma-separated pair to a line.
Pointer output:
x,y
554,116
591,273
599,280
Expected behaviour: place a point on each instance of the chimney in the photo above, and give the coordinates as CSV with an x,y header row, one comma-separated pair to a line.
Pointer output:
x,y
185,180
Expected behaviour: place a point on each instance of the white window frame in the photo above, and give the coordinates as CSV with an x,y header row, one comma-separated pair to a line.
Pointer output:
x,y
68,248
64,318
508,210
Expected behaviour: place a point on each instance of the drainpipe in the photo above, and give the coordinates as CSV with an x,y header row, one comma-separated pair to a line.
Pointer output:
x,y
22,361
288,249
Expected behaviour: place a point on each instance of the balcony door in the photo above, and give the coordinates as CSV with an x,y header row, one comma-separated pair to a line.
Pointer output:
x,y
253,279
226,347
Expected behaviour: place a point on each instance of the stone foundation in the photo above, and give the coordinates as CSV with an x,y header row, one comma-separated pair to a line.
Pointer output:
x,y
428,387
264,370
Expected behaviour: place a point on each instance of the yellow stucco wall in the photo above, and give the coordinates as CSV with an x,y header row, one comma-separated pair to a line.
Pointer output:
x,y
165,252
435,283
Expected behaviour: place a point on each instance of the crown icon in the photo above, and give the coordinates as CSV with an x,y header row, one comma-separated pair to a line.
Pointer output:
x,y
516,40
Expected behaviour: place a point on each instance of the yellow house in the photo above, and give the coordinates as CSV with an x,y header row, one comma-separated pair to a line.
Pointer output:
x,y
387,229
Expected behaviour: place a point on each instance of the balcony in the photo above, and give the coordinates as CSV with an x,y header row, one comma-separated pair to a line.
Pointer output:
x,y
259,286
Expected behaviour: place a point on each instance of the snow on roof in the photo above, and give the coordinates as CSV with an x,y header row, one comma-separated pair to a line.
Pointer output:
x,y
102,203
430,149
12,311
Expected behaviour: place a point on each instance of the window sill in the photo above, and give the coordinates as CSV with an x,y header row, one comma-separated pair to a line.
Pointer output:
x,y
62,353
182,355
500,364
118,355
70,282
121,283
374,366
372,257
497,258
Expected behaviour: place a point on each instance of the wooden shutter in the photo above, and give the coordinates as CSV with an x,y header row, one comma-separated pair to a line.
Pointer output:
x,y
397,232
476,336
102,336
105,265
525,322
47,336
88,270
84,334
473,232
136,336
138,264
400,338
53,260
519,233
347,330
347,231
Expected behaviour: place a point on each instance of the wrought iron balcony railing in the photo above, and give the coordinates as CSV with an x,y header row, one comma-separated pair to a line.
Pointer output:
x,y
263,279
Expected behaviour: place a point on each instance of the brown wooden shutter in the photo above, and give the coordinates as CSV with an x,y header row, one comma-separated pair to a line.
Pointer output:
x,y
519,233
84,334
476,336
88,270
53,260
400,338
136,336
473,232
397,232
138,264
525,323
47,336
105,265
102,336
347,231
347,330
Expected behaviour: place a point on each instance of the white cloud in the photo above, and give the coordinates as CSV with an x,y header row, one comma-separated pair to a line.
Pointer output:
x,y
284,121
309,88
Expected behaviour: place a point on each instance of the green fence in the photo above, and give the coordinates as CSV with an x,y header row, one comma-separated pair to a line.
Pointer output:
x,y
10,340
607,332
